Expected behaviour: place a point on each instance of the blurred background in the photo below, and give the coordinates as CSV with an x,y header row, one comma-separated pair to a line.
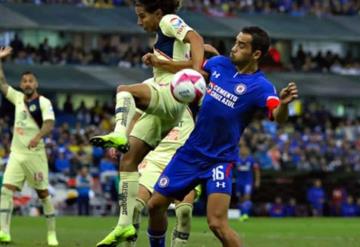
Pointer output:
x,y
81,50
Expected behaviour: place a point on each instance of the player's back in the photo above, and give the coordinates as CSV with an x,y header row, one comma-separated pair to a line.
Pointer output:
x,y
169,45
227,108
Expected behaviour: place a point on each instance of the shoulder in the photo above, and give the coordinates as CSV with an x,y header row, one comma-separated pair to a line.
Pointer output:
x,y
218,60
171,19
264,83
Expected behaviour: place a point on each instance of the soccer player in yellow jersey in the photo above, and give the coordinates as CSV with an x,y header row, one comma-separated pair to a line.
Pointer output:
x,y
176,44
34,119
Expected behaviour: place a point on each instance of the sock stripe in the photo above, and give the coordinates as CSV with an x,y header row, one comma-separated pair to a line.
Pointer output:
x,y
181,235
5,210
121,110
49,215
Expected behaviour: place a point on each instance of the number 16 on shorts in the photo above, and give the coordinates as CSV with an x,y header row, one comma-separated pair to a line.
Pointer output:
x,y
220,181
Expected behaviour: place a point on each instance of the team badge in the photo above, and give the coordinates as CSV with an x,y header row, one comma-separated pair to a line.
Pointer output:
x,y
240,89
163,181
32,108
176,22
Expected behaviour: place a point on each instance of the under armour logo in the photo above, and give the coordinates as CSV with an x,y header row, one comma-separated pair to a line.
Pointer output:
x,y
216,74
220,184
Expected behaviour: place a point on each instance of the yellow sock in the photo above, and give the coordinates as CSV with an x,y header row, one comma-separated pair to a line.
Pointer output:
x,y
6,208
128,190
183,224
49,213
124,111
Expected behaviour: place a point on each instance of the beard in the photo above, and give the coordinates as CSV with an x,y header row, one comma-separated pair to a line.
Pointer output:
x,y
28,92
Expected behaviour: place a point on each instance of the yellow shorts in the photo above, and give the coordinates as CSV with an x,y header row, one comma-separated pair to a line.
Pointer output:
x,y
163,113
32,168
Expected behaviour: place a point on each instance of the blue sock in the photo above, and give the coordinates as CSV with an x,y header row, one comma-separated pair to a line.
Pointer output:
x,y
156,239
246,207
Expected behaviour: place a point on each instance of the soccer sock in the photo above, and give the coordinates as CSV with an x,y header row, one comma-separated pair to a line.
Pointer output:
x,y
156,239
246,207
181,232
128,190
124,111
6,208
49,213
139,206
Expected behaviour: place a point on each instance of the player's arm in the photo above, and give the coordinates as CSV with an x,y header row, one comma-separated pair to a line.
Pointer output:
x,y
151,59
46,128
257,174
197,49
4,52
287,95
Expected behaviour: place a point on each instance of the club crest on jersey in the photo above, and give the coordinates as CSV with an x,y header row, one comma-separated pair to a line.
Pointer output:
x,y
32,108
163,181
240,89
176,22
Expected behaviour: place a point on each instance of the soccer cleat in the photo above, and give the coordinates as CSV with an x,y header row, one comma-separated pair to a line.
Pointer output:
x,y
52,240
244,217
4,237
113,139
118,235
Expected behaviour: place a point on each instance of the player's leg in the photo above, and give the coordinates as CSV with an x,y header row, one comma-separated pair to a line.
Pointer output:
x,y
217,216
141,201
246,203
128,98
36,172
158,205
183,211
128,190
49,213
218,186
13,180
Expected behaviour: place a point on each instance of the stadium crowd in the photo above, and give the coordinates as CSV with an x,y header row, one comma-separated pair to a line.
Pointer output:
x,y
234,7
314,141
118,51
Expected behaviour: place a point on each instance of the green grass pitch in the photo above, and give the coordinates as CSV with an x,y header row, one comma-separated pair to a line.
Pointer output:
x,y
257,232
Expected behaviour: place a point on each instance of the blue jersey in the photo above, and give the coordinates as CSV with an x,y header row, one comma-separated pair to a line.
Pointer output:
x,y
245,169
227,108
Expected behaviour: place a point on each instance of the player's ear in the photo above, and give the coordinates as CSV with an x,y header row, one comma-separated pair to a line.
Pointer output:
x,y
257,54
158,13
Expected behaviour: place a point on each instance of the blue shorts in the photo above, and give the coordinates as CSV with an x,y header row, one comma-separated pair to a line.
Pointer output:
x,y
243,189
181,175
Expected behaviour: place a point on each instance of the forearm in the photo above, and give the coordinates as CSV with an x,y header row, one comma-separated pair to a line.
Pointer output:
x,y
197,50
46,128
3,82
174,66
281,113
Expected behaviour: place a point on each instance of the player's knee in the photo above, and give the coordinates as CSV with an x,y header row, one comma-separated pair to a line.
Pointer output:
x,y
217,226
5,191
42,193
183,213
9,187
155,207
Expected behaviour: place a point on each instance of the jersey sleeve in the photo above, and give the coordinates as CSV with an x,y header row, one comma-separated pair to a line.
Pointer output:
x,y
174,26
13,94
268,99
47,111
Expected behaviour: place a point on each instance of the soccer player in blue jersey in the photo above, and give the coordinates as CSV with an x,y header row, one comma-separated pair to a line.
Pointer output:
x,y
246,169
236,89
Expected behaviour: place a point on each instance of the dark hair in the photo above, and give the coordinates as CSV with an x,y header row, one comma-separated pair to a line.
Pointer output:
x,y
260,39
166,6
28,72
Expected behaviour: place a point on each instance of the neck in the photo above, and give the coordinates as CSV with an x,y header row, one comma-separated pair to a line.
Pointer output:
x,y
248,68
31,97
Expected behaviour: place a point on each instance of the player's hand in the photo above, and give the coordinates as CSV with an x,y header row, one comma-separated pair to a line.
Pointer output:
x,y
211,49
150,59
34,142
289,93
113,152
5,51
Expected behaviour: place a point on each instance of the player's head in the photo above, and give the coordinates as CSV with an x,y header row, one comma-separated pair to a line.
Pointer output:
x,y
244,150
150,12
28,83
251,44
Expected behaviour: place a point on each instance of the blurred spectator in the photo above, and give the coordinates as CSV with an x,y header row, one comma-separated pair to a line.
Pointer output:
x,y
83,185
349,208
316,198
277,209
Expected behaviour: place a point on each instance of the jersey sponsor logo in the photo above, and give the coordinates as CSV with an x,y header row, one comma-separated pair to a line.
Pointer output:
x,y
178,24
164,182
32,108
216,74
220,184
222,95
240,89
